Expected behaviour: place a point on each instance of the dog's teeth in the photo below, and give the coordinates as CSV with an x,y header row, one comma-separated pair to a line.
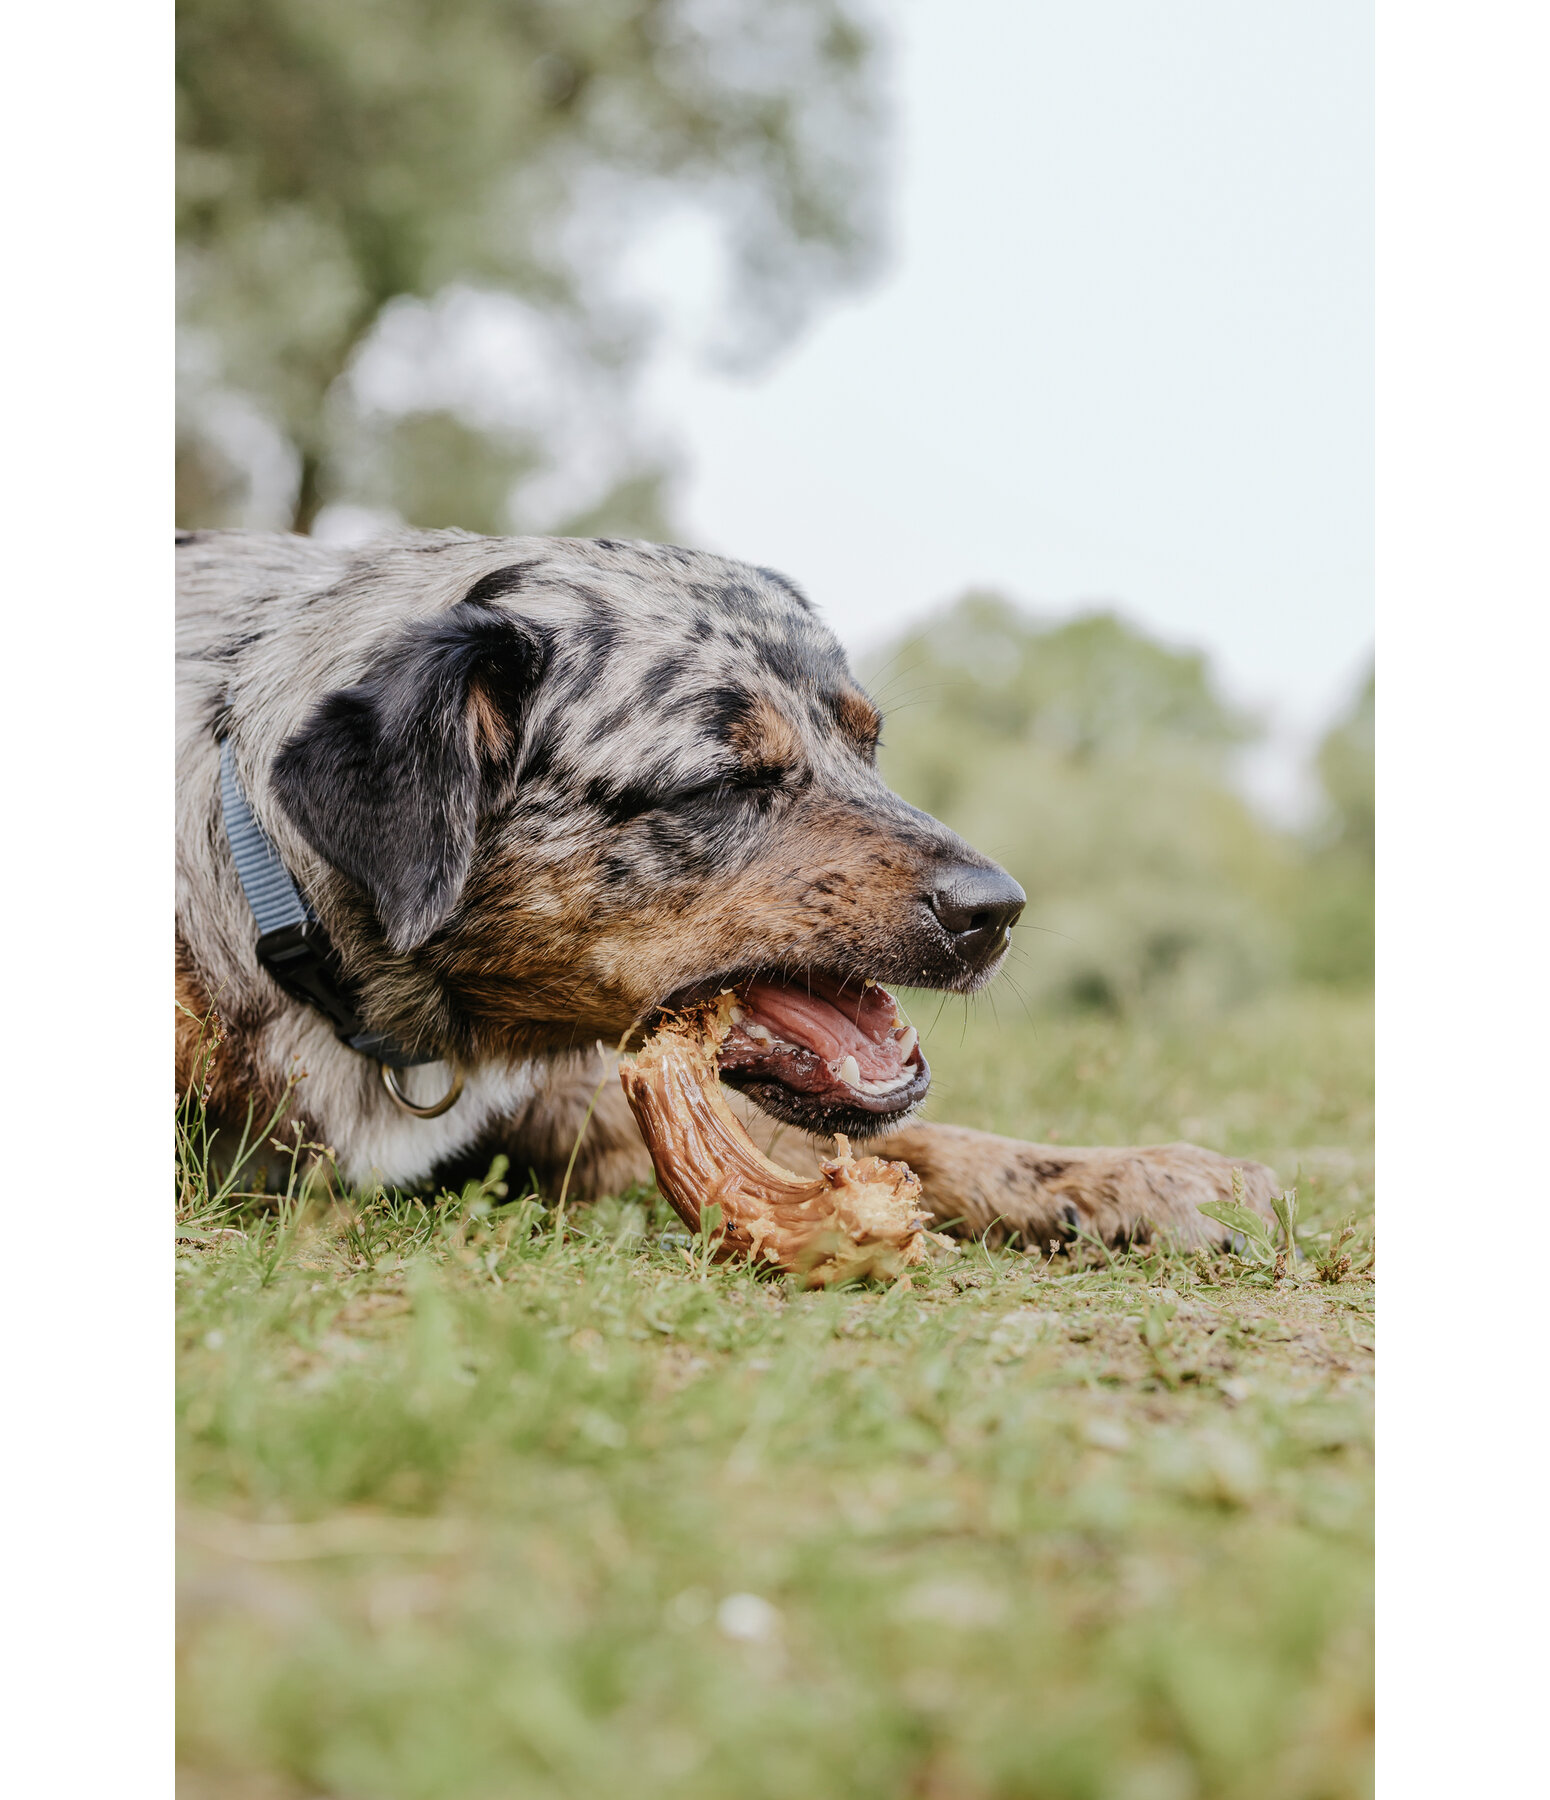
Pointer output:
x,y
849,1072
888,1087
759,1034
738,1015
907,1044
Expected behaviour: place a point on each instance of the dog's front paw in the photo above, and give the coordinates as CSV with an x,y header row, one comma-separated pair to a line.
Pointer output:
x,y
1127,1197
1051,1195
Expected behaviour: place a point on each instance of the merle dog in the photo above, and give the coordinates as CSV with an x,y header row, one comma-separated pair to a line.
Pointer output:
x,y
536,790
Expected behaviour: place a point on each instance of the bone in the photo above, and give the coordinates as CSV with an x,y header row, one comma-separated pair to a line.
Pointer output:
x,y
862,1217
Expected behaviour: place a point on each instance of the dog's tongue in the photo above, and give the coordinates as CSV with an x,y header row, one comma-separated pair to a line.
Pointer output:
x,y
832,1023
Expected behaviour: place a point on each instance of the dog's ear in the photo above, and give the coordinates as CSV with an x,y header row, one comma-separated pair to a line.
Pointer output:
x,y
387,778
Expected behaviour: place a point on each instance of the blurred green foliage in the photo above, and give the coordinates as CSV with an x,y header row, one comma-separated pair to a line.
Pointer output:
x,y
1335,921
334,160
1097,765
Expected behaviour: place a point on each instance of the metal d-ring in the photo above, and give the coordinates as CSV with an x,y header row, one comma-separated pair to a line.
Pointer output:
x,y
402,1101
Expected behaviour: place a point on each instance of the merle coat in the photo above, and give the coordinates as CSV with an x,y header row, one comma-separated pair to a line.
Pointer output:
x,y
535,787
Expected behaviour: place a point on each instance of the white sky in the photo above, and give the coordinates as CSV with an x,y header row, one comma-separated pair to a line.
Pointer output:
x,y
1124,352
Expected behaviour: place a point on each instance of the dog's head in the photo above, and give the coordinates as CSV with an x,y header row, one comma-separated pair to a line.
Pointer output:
x,y
609,779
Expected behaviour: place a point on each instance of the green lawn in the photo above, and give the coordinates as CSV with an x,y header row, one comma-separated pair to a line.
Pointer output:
x,y
475,1509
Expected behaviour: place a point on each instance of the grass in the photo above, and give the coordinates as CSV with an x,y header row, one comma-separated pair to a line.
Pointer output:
x,y
477,1507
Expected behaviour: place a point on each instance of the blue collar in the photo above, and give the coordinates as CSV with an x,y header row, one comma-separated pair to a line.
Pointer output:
x,y
292,944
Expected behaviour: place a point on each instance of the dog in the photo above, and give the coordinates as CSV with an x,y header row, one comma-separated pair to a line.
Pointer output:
x,y
534,792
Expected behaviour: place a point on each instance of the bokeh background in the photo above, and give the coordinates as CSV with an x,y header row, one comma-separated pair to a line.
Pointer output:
x,y
1034,340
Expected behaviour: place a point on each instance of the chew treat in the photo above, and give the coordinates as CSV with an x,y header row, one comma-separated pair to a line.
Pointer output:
x,y
859,1216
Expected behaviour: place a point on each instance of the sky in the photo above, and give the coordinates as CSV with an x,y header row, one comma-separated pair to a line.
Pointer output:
x,y
1122,354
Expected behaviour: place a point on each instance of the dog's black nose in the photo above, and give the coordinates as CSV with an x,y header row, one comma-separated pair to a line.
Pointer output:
x,y
976,908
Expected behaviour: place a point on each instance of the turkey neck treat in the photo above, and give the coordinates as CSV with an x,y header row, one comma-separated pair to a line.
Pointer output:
x,y
859,1216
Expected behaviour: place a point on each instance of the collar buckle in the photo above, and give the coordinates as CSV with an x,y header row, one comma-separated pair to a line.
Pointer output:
x,y
300,959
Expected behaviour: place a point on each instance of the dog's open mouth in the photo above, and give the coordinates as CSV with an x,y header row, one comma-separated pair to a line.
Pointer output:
x,y
821,1053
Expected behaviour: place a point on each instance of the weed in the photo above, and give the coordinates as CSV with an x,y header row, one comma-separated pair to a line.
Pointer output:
x,y
1343,1253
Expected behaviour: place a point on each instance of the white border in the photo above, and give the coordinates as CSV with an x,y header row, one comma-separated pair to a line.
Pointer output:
x,y
85,139
1464,978
1464,590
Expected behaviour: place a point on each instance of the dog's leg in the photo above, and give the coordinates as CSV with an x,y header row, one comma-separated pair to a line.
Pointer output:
x,y
579,1121
1043,1194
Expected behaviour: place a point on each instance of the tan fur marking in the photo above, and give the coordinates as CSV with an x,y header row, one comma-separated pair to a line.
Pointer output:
x,y
764,738
858,718
488,732
205,1051
196,1028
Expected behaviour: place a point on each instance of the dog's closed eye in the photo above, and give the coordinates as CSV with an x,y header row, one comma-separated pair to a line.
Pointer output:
x,y
724,788
720,788
731,784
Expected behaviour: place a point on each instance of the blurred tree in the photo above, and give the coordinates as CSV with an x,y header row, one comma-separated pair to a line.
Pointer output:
x,y
1095,763
1345,767
339,161
1090,687
1335,920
